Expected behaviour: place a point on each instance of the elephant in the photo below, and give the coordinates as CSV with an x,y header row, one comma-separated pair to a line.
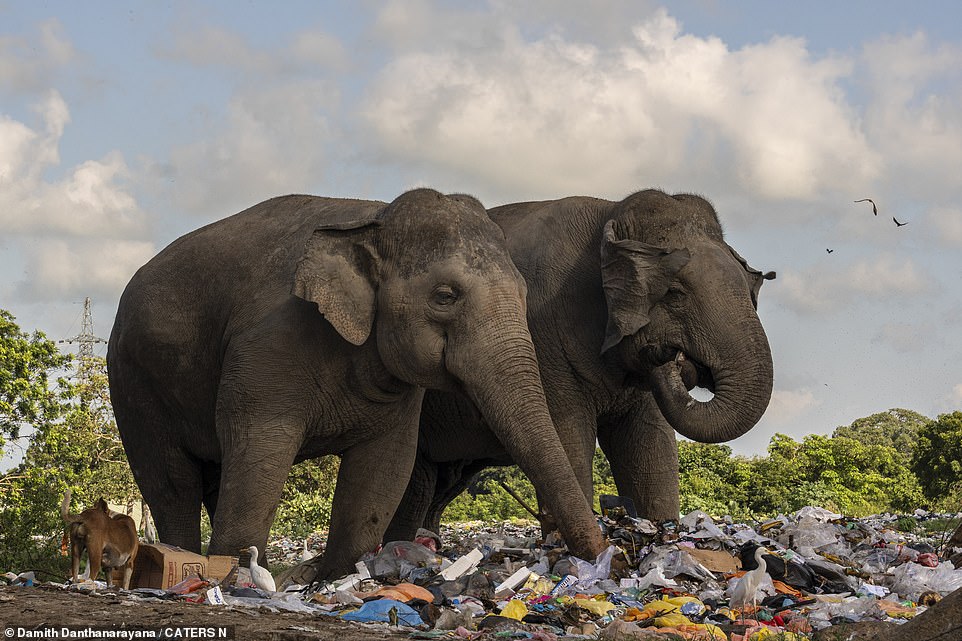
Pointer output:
x,y
631,304
306,326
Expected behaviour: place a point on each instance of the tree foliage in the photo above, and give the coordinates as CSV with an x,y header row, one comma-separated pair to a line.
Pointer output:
x,y
308,495
27,363
711,479
488,500
897,428
938,460
81,450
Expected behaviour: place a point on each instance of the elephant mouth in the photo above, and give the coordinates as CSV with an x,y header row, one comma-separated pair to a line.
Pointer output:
x,y
693,372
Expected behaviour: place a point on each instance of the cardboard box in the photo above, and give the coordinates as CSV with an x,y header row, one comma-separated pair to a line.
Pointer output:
x,y
159,565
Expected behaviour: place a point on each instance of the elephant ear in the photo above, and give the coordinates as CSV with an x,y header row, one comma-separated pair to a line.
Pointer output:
x,y
338,271
755,277
635,276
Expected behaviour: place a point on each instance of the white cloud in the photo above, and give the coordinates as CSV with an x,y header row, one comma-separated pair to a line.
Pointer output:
x,y
787,406
58,269
822,290
915,112
956,396
947,224
886,277
78,230
306,51
272,143
28,63
89,200
904,338
559,116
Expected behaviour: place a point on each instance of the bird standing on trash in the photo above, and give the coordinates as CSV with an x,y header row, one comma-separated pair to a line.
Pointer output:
x,y
306,554
260,576
746,590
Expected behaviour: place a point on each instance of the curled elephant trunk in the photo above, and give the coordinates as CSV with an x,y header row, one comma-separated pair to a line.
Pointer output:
x,y
742,389
506,388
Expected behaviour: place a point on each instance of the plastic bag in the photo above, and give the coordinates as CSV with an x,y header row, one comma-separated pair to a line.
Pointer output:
x,y
400,558
380,611
912,579
590,573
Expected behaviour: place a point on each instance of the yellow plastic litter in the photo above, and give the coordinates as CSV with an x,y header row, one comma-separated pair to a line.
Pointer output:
x,y
538,584
598,608
682,600
514,610
659,606
672,620
634,614
765,633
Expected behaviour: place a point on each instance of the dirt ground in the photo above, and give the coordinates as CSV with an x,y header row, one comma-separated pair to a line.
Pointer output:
x,y
34,607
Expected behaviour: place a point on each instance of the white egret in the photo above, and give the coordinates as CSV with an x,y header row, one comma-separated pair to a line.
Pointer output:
x,y
260,576
306,555
746,590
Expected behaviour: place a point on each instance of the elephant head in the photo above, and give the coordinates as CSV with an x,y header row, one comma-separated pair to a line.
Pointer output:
x,y
682,313
429,280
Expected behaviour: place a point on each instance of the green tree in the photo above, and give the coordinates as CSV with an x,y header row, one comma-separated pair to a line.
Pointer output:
x,y
711,479
80,450
27,363
897,428
601,477
938,460
308,494
488,500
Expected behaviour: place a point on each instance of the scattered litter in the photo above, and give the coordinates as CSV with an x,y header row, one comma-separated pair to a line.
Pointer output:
x,y
656,579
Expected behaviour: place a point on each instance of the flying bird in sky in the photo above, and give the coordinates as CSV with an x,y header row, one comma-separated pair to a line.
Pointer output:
x,y
829,250
874,208
898,224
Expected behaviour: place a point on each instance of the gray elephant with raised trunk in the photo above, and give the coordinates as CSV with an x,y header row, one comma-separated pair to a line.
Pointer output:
x,y
306,326
631,304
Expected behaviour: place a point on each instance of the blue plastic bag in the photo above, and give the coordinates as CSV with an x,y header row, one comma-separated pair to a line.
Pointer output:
x,y
378,611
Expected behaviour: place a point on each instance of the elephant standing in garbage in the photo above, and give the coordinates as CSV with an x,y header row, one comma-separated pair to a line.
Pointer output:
x,y
631,304
306,326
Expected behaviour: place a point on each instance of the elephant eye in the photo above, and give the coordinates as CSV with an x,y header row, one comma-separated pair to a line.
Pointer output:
x,y
444,295
675,294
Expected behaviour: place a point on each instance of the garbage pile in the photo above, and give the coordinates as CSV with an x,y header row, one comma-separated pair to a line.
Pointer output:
x,y
694,578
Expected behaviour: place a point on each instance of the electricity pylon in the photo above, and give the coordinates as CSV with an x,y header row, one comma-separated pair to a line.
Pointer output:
x,y
85,341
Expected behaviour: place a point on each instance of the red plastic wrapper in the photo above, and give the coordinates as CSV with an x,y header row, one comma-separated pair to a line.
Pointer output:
x,y
192,583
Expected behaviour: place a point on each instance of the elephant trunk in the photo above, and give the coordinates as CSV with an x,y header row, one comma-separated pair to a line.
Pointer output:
x,y
743,387
506,387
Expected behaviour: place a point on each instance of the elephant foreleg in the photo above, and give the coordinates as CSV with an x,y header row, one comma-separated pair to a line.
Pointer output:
x,y
371,481
643,452
252,481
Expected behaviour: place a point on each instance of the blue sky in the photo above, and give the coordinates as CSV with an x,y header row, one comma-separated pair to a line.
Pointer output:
x,y
125,125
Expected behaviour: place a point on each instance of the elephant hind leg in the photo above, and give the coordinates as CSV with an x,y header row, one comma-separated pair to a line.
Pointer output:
x,y
453,479
175,506
169,477
414,506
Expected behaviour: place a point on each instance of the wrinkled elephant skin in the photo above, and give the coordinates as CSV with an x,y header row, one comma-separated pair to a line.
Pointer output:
x,y
307,326
631,304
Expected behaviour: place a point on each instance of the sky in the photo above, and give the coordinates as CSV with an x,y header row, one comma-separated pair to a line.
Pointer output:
x,y
124,125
